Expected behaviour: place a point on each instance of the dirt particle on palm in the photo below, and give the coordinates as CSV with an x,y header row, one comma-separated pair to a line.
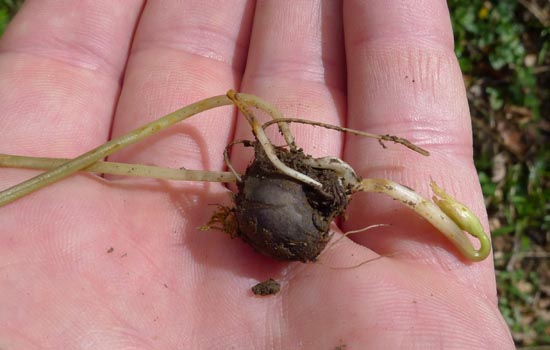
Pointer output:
x,y
268,287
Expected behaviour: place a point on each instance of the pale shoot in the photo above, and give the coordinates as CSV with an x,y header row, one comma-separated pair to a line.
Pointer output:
x,y
122,169
447,215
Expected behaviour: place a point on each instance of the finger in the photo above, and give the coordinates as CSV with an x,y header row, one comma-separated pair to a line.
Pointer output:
x,y
296,62
404,80
60,68
184,51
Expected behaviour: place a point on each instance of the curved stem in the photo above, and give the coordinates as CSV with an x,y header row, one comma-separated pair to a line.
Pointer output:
x,y
447,215
228,159
262,138
277,116
124,169
88,158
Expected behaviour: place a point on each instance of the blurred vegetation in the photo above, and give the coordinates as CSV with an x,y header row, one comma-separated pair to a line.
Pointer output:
x,y
8,8
504,51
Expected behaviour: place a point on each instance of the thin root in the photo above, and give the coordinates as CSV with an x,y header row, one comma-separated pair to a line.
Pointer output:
x,y
222,219
364,229
228,160
333,244
380,138
356,265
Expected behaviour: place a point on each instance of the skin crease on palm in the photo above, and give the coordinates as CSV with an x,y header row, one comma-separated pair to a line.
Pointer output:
x,y
75,73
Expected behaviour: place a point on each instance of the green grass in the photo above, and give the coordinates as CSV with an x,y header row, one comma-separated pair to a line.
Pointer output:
x,y
504,51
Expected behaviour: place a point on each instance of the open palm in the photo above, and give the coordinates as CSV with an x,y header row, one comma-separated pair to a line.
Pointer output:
x,y
91,263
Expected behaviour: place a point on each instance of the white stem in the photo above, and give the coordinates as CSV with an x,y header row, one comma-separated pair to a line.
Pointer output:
x,y
113,168
266,144
270,109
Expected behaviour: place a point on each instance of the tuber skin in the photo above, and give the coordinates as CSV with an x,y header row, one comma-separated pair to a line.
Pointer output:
x,y
283,218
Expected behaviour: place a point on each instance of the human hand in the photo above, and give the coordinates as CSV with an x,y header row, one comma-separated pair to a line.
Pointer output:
x,y
165,285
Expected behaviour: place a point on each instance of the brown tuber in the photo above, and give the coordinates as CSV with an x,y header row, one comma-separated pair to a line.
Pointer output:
x,y
282,217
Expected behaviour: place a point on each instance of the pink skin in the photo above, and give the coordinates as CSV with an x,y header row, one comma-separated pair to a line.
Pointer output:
x,y
69,79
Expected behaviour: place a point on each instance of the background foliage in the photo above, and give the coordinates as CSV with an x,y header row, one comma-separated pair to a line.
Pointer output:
x,y
8,8
504,51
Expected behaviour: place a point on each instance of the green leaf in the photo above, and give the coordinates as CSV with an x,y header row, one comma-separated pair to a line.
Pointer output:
x,y
4,20
495,98
503,230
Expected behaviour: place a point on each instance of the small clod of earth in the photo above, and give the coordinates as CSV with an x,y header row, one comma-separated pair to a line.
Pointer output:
x,y
269,287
